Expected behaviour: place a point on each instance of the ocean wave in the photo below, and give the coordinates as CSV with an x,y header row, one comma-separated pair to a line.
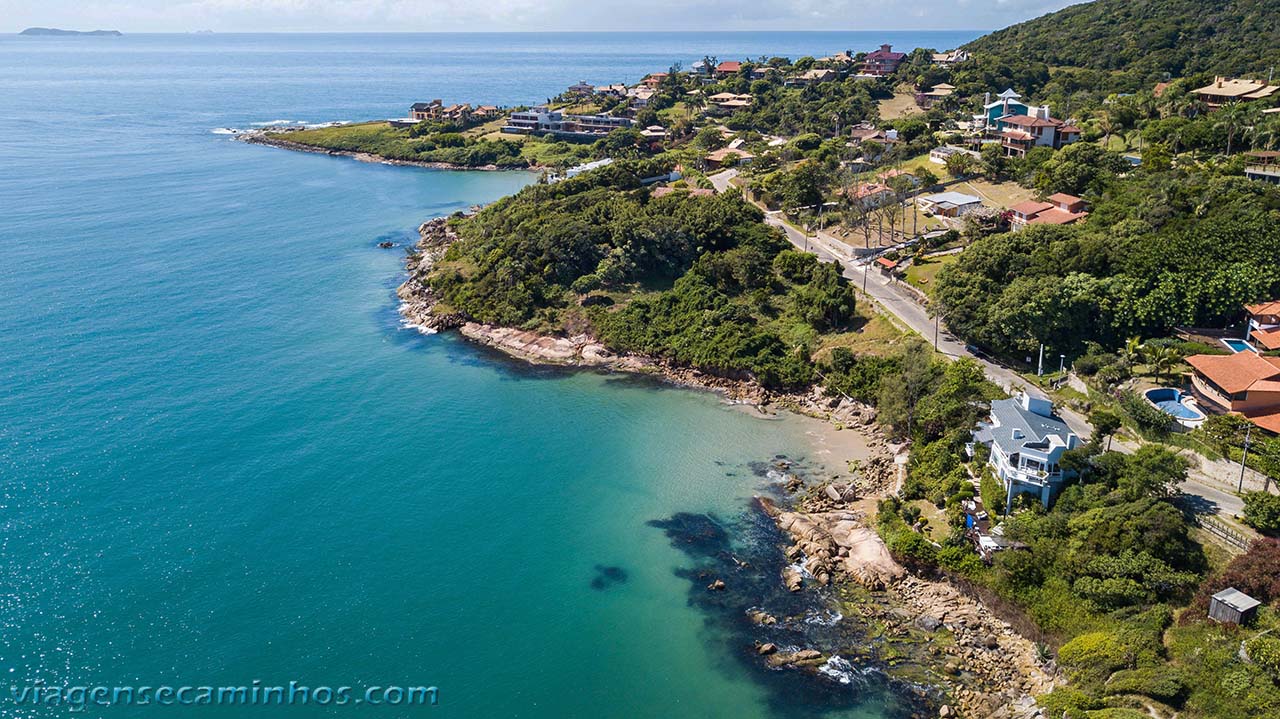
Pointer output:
x,y
225,131
276,123
823,617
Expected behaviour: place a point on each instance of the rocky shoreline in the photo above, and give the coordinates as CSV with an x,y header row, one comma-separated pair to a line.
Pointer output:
x,y
263,137
984,667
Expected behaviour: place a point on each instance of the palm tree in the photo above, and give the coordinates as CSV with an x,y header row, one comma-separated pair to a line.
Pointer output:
x,y
1108,126
1131,353
1234,118
1160,359
1266,133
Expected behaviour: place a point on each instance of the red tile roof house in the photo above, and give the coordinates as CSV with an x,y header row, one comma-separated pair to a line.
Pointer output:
x,y
1245,382
1061,209
727,68
1264,324
883,61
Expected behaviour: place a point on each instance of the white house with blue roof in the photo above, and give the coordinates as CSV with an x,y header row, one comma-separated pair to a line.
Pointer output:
x,y
1027,441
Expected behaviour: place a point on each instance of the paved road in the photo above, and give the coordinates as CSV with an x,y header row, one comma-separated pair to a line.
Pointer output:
x,y
1205,491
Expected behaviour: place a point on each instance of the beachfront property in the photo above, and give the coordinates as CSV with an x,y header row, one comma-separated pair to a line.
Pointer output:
x,y
436,111
541,120
1026,440
1243,382
1059,209
949,204
883,61
1224,90
582,87
1263,165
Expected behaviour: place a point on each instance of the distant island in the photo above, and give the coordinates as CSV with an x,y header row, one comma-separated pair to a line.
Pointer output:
x,y
45,31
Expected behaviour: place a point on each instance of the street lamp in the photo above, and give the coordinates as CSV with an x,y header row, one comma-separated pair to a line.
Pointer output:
x,y
1062,364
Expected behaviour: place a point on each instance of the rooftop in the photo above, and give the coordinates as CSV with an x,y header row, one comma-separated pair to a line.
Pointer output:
x,y
1237,372
1236,89
955,198
1264,308
1236,599
1021,423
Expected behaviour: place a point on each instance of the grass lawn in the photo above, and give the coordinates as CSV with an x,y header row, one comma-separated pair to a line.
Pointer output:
x,y
921,272
996,194
902,104
873,334
938,527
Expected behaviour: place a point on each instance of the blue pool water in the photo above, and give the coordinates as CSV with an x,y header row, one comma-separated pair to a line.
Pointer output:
x,y
1169,401
1237,345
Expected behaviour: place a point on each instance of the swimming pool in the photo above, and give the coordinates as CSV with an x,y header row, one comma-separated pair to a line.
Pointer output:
x,y
1238,345
1172,402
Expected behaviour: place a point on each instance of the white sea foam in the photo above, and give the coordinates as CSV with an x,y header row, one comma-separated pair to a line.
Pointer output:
x,y
274,123
839,669
225,131
823,617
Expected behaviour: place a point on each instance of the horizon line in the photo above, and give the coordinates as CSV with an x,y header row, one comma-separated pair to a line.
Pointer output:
x,y
204,31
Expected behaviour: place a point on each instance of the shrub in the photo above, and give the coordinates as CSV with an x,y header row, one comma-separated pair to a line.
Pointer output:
x,y
1094,655
1117,713
1265,652
1262,511
1067,701
1160,683
1147,418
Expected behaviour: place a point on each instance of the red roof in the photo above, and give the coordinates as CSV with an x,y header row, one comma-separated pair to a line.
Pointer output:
x,y
1268,419
1028,121
1264,308
1030,207
885,53
1064,199
886,263
729,66
1054,216
1269,339
1236,372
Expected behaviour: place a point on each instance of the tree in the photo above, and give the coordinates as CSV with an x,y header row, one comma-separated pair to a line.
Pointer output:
x,y
1262,511
1152,471
960,164
1161,359
1105,424
1234,118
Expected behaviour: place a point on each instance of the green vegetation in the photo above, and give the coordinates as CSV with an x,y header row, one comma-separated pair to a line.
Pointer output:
x,y
411,144
1129,45
697,280
1175,247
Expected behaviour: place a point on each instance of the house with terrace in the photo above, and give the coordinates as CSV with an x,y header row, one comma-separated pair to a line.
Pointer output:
x,y
1245,382
1020,133
1026,440
883,61
1059,209
1225,90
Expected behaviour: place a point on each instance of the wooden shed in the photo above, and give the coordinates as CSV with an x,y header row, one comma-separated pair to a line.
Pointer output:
x,y
1233,606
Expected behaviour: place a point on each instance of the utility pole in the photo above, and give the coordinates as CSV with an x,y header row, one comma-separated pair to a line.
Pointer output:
x,y
1040,364
936,317
1062,364
1243,457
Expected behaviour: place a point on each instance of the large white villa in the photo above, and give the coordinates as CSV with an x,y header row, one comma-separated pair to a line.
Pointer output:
x,y
1027,441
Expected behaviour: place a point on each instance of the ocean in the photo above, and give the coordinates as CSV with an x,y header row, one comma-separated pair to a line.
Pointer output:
x,y
223,460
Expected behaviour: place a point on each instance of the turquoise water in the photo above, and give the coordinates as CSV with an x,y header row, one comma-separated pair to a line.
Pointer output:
x,y
222,460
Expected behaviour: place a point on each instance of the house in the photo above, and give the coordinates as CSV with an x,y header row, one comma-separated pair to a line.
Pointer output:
x,y
1060,209
886,265
541,120
949,204
727,68
935,93
883,61
864,132
1019,133
614,90
813,77
1244,382
654,132
727,157
1027,441
582,87
456,113
838,59
1233,606
654,80
730,101
762,72
486,111
1263,326
870,195
1225,90
426,110
953,57
640,96
1006,103
1263,165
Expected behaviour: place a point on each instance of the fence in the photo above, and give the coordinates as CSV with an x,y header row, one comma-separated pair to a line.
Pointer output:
x,y
1220,529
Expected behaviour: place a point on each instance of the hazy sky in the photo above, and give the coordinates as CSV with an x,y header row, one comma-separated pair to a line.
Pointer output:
x,y
452,15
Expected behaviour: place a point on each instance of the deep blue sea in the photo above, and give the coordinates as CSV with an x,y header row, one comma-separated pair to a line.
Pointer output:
x,y
223,460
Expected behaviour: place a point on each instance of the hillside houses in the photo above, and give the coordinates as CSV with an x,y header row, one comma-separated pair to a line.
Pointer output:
x,y
1225,90
437,111
541,120
883,61
1060,209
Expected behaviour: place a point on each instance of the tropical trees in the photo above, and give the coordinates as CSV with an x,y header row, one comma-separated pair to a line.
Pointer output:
x,y
1234,119
1161,360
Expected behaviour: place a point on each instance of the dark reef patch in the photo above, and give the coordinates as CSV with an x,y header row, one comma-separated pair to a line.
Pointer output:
x,y
746,554
607,576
